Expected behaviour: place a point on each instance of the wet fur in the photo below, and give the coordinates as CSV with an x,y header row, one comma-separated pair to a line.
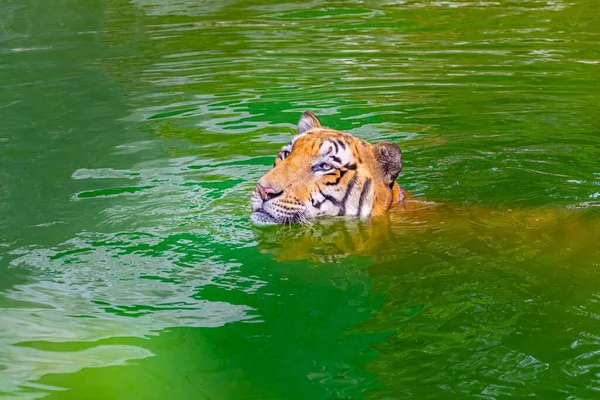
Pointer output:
x,y
361,181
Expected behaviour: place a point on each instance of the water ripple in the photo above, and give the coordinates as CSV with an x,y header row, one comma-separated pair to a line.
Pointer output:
x,y
133,133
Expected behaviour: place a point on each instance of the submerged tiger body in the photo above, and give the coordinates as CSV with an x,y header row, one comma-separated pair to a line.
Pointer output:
x,y
324,172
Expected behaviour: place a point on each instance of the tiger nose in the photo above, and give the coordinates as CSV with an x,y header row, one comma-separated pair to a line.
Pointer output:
x,y
267,193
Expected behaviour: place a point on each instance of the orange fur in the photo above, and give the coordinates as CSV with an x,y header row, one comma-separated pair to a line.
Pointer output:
x,y
355,179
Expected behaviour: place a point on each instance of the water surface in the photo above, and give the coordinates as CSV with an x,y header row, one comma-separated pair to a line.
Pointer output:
x,y
131,136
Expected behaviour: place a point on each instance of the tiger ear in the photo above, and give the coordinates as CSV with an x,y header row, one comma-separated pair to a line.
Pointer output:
x,y
307,122
389,156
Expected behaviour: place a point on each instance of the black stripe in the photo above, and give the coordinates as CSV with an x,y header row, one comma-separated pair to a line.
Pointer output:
x,y
335,145
362,195
328,197
314,203
336,159
346,195
337,180
342,145
350,166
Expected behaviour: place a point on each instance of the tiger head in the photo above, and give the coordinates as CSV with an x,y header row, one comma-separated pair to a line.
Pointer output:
x,y
324,172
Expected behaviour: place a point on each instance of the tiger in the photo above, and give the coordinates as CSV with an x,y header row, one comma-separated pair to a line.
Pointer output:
x,y
324,172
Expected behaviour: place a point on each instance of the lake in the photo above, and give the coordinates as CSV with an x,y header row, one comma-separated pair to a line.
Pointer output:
x,y
132,134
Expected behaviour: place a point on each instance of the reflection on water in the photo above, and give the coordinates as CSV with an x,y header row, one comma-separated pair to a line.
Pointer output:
x,y
330,240
132,133
502,311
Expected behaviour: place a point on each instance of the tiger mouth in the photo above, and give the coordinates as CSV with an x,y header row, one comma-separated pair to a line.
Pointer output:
x,y
262,217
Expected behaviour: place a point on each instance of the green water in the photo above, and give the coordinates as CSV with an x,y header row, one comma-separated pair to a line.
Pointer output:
x,y
132,134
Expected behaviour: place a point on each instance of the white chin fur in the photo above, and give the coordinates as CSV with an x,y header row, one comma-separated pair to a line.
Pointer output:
x,y
262,218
